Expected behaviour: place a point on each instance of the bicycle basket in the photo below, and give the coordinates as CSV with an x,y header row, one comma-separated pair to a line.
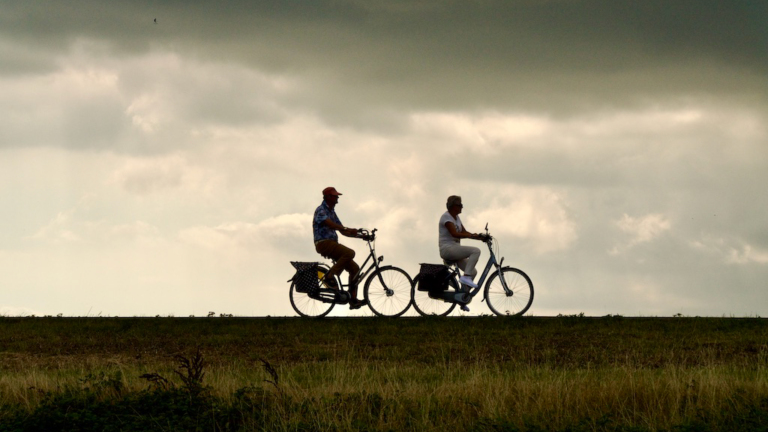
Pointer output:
x,y
306,277
433,278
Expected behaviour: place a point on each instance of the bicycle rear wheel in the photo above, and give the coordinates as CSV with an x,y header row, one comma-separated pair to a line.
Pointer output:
x,y
307,306
515,302
426,305
388,291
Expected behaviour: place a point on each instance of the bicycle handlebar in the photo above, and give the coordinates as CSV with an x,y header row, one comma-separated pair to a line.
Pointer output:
x,y
366,235
487,237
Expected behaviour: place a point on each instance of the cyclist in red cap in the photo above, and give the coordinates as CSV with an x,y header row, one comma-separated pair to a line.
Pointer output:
x,y
324,225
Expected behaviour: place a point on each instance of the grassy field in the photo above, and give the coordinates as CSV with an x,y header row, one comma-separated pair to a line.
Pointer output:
x,y
479,374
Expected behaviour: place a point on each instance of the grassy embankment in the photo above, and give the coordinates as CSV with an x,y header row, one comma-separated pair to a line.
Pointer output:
x,y
566,373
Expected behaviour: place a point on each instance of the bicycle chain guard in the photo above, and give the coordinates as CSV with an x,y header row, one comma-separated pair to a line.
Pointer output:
x,y
458,297
331,296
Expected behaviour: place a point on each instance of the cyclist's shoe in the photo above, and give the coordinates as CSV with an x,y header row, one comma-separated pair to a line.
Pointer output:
x,y
465,308
330,283
357,304
466,280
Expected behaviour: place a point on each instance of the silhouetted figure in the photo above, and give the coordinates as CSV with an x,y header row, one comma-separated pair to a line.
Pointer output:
x,y
324,225
155,20
450,232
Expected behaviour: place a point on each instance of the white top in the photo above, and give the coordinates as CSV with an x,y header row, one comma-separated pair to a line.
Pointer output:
x,y
445,237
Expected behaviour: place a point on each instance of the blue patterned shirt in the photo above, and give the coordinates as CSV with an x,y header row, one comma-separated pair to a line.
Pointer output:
x,y
321,230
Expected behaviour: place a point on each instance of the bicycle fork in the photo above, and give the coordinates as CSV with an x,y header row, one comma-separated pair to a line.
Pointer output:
x,y
497,266
503,281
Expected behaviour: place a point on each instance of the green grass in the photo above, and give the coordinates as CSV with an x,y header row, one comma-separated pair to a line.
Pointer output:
x,y
481,374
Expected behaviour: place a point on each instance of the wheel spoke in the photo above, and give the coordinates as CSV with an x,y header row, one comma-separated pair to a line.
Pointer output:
x,y
393,297
426,305
305,305
517,300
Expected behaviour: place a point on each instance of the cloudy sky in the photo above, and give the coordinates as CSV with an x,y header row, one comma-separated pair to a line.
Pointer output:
x,y
618,150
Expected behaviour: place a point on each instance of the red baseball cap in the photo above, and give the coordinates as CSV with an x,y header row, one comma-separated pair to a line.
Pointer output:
x,y
330,191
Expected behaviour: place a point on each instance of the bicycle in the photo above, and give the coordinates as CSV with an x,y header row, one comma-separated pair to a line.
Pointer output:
x,y
387,289
509,291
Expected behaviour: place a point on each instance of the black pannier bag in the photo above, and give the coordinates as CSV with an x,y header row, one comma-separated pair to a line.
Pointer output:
x,y
306,277
433,278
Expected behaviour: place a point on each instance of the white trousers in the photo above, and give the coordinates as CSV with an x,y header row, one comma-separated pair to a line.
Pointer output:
x,y
466,257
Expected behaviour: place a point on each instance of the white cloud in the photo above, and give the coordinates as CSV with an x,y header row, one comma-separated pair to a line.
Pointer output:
x,y
143,176
76,227
536,216
243,239
145,113
286,227
643,121
67,228
406,176
511,129
481,132
731,251
643,229
222,238
748,254
134,229
58,229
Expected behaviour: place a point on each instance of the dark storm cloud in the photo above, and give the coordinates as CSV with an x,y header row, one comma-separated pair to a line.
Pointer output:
x,y
437,55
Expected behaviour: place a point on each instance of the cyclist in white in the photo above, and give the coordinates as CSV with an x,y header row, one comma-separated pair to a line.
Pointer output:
x,y
451,231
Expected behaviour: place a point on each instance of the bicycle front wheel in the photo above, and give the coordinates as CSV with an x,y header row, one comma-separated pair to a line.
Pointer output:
x,y
514,302
388,291
426,305
305,305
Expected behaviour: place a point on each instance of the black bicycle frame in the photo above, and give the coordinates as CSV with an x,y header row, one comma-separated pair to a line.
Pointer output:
x,y
363,271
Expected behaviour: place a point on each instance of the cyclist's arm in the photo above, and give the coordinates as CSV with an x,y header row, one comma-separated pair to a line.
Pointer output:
x,y
348,232
460,234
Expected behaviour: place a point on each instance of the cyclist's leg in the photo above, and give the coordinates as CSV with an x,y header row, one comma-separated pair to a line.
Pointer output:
x,y
465,256
344,258
328,249
352,269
